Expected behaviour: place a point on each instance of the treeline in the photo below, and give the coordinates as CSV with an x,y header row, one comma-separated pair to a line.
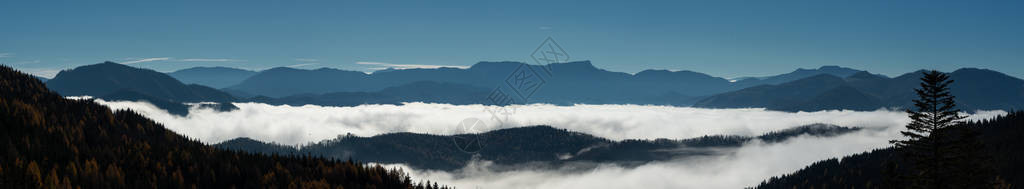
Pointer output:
x,y
52,142
1003,137
511,146
667,149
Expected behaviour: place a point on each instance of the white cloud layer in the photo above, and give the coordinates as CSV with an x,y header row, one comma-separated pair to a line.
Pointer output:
x,y
743,167
310,123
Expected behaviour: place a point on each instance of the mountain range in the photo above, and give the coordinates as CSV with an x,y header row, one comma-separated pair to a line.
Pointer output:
x,y
109,77
34,114
420,91
568,83
824,88
113,81
216,77
974,88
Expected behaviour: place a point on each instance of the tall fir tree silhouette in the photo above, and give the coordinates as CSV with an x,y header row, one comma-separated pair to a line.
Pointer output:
x,y
943,152
928,148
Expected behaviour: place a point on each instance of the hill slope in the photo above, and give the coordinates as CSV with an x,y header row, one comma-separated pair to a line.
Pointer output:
x,y
1002,137
53,142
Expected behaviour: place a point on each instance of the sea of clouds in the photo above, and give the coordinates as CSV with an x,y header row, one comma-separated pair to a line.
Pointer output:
x,y
743,167
303,124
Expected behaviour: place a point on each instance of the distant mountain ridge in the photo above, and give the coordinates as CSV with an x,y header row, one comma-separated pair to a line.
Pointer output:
x,y
975,89
108,77
824,88
800,73
113,81
569,83
421,91
216,77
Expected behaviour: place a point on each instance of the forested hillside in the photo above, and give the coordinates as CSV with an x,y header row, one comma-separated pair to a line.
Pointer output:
x,y
521,145
52,142
1002,138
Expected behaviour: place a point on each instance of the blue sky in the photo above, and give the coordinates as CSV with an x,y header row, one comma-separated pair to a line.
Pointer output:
x,y
721,38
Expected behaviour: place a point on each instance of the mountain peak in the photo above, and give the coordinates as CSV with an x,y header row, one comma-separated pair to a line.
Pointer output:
x,y
678,76
865,75
831,67
104,67
584,63
574,66
282,69
107,63
978,71
495,63
819,78
108,77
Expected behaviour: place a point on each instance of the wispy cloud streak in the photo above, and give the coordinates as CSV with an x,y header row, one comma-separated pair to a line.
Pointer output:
x,y
146,60
407,66
141,60
210,60
301,65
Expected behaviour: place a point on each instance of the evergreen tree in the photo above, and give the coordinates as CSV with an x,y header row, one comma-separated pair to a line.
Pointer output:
x,y
943,156
927,147
971,164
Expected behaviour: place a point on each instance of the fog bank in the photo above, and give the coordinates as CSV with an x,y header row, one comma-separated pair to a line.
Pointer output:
x,y
303,124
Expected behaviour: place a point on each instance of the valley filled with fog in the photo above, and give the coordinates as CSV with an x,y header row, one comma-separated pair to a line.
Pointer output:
x,y
740,167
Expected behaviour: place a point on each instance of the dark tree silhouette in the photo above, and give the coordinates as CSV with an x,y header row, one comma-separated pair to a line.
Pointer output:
x,y
941,158
926,146
941,151
1003,137
48,141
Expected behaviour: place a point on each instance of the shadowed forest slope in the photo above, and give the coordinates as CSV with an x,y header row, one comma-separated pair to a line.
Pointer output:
x,y
52,142
1002,137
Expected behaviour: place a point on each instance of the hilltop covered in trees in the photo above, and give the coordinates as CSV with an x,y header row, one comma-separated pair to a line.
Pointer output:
x,y
524,145
940,151
53,142
1003,138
